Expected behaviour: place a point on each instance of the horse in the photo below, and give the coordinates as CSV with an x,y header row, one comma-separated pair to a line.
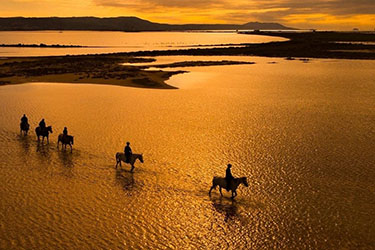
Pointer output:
x,y
121,157
24,126
65,140
44,133
222,183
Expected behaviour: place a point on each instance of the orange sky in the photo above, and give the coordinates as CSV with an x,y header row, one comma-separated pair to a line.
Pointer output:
x,y
319,14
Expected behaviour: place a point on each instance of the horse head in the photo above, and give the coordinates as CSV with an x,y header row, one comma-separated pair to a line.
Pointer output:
x,y
72,139
49,129
141,157
244,181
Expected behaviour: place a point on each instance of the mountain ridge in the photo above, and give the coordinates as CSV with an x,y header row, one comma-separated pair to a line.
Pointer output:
x,y
123,23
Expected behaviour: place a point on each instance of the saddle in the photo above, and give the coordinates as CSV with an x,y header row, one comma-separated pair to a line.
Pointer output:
x,y
229,184
25,125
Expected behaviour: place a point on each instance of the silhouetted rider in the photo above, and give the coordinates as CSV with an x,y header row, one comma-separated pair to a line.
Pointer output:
x,y
229,177
128,152
42,124
65,132
24,119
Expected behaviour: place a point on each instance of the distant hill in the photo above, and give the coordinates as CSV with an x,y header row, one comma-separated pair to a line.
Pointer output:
x,y
119,24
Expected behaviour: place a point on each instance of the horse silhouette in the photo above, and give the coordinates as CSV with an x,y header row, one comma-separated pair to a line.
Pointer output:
x,y
121,157
24,126
65,140
222,183
43,132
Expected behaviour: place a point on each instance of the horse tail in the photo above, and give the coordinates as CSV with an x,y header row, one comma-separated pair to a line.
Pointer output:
x,y
117,156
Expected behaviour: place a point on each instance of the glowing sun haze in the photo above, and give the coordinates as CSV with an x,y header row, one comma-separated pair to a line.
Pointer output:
x,y
320,14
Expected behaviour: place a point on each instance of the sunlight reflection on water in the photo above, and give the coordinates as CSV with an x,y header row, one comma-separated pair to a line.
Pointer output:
x,y
302,133
110,42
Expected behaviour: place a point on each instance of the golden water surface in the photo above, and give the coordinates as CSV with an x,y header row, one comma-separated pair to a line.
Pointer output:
x,y
110,42
302,133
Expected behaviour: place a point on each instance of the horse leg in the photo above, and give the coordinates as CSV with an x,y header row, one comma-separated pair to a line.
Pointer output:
x,y
47,140
131,170
71,148
221,192
209,193
234,194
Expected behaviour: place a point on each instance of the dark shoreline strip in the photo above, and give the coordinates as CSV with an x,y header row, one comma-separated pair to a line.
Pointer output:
x,y
42,45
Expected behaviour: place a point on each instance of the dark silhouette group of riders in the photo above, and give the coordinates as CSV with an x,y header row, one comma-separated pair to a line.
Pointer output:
x,y
42,126
127,150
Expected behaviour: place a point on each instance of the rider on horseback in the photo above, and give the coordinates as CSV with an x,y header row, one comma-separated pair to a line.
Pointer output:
x,y
24,124
128,152
42,125
24,119
229,177
65,131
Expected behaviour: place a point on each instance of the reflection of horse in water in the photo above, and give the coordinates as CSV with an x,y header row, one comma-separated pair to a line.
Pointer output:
x,y
24,126
67,162
125,179
222,183
121,157
227,208
65,140
43,132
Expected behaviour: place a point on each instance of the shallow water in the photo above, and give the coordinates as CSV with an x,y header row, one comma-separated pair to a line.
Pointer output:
x,y
110,42
302,133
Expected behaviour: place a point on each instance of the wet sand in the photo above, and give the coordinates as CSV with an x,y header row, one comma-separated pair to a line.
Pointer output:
x,y
99,69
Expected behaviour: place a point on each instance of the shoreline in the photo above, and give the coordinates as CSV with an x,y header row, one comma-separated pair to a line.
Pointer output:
x,y
108,68
300,44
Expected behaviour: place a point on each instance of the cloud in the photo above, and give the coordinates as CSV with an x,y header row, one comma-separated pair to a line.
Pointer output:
x,y
241,11
302,12
140,4
340,7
